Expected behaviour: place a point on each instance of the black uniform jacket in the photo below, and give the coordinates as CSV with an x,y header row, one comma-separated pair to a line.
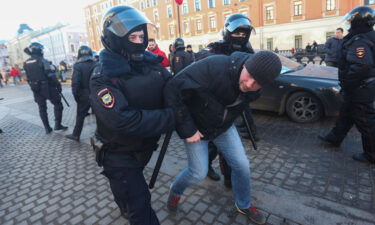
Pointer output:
x,y
357,67
41,75
82,71
129,106
180,60
206,95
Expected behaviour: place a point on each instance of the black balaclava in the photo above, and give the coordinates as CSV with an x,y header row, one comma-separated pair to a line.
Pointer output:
x,y
238,43
135,52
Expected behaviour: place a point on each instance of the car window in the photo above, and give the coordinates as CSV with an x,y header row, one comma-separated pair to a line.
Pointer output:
x,y
289,65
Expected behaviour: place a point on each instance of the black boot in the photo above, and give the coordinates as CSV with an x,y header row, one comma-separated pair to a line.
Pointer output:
x,y
362,157
60,127
72,137
47,127
330,138
212,174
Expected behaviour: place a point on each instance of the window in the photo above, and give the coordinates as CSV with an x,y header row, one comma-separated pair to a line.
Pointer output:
x,y
211,4
72,48
148,4
142,5
298,42
171,29
369,2
298,8
97,30
155,2
185,8
212,22
95,10
331,5
80,37
169,11
70,37
197,4
156,14
270,44
269,13
186,27
226,2
87,12
199,25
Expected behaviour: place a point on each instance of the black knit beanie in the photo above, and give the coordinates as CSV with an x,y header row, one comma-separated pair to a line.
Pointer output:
x,y
264,67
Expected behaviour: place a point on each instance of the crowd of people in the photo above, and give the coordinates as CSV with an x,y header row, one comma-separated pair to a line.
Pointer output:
x,y
136,99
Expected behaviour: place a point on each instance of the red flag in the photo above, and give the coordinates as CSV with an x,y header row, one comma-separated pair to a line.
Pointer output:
x,y
179,2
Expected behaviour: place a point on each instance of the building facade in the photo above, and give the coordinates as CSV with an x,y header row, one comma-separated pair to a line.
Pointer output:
x,y
61,43
284,24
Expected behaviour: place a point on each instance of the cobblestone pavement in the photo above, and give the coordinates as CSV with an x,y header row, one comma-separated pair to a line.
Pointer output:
x,y
48,179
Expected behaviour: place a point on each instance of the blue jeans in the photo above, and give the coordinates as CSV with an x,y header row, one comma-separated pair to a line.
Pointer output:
x,y
230,146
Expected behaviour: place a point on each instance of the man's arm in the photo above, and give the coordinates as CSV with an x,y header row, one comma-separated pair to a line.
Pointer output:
x,y
112,108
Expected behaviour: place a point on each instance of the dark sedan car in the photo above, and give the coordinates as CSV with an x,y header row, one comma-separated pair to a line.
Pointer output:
x,y
304,93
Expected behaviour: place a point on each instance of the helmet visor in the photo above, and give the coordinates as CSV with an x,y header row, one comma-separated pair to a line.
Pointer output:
x,y
120,24
239,23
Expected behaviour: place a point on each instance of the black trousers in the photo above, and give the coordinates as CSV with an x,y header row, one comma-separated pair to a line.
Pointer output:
x,y
130,191
363,116
41,96
83,106
332,64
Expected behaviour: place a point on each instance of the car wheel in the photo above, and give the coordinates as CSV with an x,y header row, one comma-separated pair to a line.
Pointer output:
x,y
303,107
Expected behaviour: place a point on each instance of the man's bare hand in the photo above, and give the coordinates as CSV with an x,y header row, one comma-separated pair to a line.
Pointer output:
x,y
195,138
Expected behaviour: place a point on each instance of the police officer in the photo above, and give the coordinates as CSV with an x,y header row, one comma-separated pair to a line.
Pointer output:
x,y
127,99
357,80
82,71
180,59
236,35
41,76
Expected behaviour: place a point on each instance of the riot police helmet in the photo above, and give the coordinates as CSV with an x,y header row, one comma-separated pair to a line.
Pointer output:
x,y
359,17
118,23
84,51
34,48
237,23
179,43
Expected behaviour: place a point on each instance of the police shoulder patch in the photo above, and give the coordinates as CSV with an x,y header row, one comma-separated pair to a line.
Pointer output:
x,y
106,98
360,52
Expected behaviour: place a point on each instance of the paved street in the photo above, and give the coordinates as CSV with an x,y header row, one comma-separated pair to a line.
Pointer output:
x,y
48,179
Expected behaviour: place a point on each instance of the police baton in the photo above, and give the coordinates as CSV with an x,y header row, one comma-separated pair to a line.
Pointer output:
x,y
63,97
163,150
249,131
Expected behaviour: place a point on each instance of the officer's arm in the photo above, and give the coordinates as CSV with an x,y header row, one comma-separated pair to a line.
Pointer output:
x,y
176,92
360,59
112,108
76,81
51,74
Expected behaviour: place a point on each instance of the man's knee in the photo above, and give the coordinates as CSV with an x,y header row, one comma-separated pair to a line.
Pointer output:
x,y
199,174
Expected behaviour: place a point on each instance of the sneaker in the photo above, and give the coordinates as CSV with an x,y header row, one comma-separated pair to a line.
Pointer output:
x,y
72,137
212,174
253,214
173,201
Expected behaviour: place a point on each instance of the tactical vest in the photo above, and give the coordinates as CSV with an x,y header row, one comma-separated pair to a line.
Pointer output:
x,y
35,70
142,91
